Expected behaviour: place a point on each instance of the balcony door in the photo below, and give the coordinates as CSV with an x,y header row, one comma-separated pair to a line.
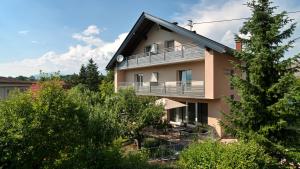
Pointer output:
x,y
139,79
185,79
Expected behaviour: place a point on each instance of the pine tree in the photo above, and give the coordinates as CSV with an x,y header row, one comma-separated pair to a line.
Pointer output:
x,y
268,107
82,75
92,78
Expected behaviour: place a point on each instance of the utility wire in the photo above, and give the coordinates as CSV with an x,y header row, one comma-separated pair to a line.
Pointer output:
x,y
235,19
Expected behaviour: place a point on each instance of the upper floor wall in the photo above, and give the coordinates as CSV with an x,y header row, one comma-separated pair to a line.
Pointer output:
x,y
161,46
160,36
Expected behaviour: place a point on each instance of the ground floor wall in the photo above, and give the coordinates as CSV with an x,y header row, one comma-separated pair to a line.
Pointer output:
x,y
190,115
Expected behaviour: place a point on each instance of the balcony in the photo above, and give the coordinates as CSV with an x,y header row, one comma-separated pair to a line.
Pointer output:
x,y
192,89
182,53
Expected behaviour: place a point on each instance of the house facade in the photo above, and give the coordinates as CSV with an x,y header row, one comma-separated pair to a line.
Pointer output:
x,y
7,85
160,58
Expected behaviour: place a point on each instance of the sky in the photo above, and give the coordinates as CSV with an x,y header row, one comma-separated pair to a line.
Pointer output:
x,y
56,35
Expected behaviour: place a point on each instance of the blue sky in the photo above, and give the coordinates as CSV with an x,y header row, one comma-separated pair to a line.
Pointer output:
x,y
60,35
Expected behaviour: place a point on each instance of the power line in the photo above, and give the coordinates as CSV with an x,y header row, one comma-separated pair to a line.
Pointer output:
x,y
235,19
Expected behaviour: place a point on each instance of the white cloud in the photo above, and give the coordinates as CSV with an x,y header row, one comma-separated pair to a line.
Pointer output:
x,y
23,32
34,42
211,10
89,36
69,62
91,30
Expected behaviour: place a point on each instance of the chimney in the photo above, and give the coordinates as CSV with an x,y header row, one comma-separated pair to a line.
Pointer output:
x,y
238,44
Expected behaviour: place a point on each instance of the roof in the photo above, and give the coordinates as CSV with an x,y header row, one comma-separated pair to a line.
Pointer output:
x,y
144,24
9,80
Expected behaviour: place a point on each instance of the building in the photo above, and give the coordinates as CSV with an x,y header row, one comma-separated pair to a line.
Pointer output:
x,y
9,84
160,58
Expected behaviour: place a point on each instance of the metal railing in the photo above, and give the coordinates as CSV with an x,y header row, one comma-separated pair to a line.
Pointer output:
x,y
184,52
194,89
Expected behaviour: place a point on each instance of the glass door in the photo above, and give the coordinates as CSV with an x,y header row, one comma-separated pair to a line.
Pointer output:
x,y
185,80
139,79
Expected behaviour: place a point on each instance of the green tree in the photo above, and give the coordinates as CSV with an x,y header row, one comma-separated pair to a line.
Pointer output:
x,y
269,96
55,128
82,75
93,77
135,112
107,85
71,80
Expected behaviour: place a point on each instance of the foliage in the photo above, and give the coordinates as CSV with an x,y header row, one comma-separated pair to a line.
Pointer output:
x,y
269,95
107,85
135,112
70,80
211,154
24,78
54,128
43,76
89,75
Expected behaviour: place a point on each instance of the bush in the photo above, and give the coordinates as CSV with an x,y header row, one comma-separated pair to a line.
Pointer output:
x,y
212,154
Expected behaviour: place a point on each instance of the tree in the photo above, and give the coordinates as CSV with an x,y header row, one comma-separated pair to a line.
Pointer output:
x,y
82,75
107,85
92,78
269,96
89,75
71,80
135,112
55,128
23,78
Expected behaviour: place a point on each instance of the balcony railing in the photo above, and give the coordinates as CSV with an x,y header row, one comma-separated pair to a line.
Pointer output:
x,y
192,89
185,52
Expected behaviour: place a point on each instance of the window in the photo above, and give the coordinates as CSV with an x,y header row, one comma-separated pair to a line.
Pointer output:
x,y
154,77
185,77
169,45
202,115
147,50
139,79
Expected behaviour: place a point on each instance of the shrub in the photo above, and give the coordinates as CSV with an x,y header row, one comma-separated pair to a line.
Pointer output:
x,y
203,155
212,154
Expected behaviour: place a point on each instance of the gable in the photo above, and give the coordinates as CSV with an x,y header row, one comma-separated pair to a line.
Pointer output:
x,y
143,26
158,35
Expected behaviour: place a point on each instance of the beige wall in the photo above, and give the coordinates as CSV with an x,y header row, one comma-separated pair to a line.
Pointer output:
x,y
119,76
168,72
222,68
159,36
